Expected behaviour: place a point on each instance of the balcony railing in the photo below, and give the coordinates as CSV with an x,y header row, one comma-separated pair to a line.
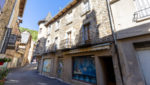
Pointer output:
x,y
66,43
142,14
51,48
12,41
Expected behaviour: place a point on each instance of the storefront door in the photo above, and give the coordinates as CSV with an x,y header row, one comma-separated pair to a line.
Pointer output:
x,y
144,61
60,67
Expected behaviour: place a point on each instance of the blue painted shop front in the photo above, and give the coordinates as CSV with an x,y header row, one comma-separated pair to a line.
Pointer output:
x,y
84,69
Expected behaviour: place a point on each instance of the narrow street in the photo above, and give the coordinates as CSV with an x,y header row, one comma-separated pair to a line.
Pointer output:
x,y
29,76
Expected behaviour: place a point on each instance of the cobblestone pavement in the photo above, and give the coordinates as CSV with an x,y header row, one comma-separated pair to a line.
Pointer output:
x,y
29,76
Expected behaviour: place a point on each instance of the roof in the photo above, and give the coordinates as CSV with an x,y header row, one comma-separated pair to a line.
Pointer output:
x,y
41,21
63,11
21,7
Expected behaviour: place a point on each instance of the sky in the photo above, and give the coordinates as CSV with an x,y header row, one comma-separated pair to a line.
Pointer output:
x,y
36,10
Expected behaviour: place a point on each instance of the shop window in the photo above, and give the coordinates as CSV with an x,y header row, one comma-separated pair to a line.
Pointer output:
x,y
47,65
84,69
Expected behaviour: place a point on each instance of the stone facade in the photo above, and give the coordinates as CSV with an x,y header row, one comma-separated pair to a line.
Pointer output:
x,y
69,41
10,34
5,17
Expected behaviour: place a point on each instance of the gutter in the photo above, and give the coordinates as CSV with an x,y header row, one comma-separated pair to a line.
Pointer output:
x,y
114,38
8,26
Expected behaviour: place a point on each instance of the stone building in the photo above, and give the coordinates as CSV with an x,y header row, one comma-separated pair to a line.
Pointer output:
x,y
79,45
24,48
11,12
131,20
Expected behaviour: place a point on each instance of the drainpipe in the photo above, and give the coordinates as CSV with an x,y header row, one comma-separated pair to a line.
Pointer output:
x,y
8,26
114,38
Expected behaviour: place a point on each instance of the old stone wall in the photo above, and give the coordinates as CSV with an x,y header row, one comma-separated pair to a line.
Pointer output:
x,y
100,31
5,17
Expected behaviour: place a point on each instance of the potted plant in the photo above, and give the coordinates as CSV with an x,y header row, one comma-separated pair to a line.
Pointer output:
x,y
3,60
3,74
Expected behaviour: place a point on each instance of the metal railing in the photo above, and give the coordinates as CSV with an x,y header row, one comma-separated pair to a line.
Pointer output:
x,y
66,43
141,14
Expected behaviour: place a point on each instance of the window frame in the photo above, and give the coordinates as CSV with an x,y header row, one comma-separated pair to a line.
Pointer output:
x,y
86,56
69,17
86,7
57,25
86,27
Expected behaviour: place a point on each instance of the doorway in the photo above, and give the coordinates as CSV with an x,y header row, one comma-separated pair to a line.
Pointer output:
x,y
108,71
60,67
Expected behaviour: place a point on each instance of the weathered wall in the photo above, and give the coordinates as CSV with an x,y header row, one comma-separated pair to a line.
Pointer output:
x,y
25,57
124,19
100,31
129,61
4,18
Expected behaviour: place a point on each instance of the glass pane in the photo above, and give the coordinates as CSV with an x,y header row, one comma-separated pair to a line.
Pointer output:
x,y
84,69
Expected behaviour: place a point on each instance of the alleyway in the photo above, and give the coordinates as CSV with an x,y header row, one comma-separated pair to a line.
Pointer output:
x,y
29,76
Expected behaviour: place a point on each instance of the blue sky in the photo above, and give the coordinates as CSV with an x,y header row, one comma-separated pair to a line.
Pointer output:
x,y
36,10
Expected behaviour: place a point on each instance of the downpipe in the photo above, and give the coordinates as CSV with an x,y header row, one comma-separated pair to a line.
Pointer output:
x,y
114,39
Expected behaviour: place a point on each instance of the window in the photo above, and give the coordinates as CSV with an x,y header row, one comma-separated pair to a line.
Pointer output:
x,y
56,43
40,30
84,69
85,7
2,2
47,65
57,24
49,29
86,32
69,17
143,9
69,38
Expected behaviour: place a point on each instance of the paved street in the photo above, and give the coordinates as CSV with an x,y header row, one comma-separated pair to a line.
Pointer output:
x,y
29,76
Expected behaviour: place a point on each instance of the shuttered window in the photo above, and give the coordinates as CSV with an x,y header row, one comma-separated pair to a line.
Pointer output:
x,y
2,2
85,7
143,9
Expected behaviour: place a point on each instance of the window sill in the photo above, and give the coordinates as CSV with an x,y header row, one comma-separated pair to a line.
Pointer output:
x,y
85,13
142,19
56,30
113,1
68,23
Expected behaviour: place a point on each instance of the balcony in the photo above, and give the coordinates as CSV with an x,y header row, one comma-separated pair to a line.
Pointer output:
x,y
142,14
66,44
12,41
